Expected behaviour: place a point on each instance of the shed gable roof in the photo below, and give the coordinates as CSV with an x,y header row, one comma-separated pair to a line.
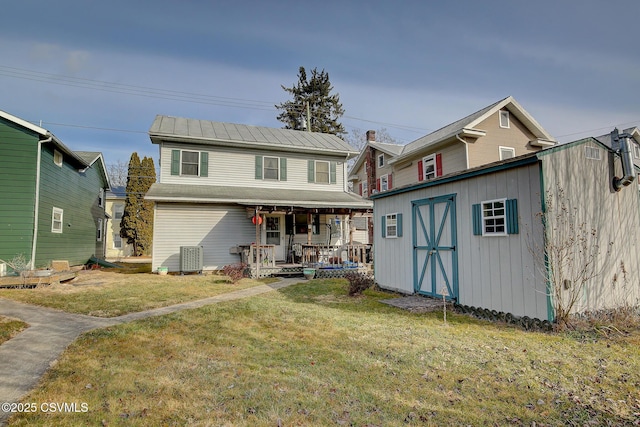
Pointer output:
x,y
178,129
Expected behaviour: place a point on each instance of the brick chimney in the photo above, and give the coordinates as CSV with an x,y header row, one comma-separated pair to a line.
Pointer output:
x,y
371,135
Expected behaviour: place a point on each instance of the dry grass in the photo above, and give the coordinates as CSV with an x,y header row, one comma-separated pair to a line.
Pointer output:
x,y
311,355
9,328
106,293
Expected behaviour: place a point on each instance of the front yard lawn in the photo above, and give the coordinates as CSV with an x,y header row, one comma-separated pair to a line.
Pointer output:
x,y
311,355
10,328
104,293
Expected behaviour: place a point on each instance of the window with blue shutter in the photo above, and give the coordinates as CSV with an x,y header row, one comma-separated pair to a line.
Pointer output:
x,y
392,225
495,217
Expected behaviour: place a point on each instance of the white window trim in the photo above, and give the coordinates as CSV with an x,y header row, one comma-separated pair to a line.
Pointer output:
x,y
55,211
502,117
118,209
315,172
388,219
264,168
511,149
636,150
384,182
57,158
101,198
365,189
503,216
431,158
182,162
381,160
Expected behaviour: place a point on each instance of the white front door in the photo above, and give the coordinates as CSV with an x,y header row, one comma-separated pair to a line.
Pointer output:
x,y
273,234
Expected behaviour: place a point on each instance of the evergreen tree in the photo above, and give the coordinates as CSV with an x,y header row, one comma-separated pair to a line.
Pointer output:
x,y
137,220
313,95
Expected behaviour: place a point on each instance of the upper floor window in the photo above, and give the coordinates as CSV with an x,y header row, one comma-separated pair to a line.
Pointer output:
x,y
430,167
271,168
365,189
504,118
321,172
381,160
189,163
101,198
636,150
507,153
57,158
118,211
57,215
384,182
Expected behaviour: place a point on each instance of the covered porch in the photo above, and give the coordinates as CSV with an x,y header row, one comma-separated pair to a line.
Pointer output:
x,y
290,240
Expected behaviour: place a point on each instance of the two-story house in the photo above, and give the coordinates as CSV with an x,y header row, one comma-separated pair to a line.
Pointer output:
x,y
53,199
497,132
226,186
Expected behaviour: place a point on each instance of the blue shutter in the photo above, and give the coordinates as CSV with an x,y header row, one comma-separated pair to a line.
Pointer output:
x,y
512,216
476,215
332,172
311,171
399,225
204,163
283,168
175,162
258,167
384,226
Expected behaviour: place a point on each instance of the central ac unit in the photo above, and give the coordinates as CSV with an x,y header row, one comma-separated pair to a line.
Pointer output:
x,y
191,259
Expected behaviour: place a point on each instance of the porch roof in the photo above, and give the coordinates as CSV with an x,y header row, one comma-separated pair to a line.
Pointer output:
x,y
251,196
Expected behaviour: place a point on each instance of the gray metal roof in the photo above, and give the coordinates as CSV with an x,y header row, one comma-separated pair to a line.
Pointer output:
x,y
178,129
606,139
255,196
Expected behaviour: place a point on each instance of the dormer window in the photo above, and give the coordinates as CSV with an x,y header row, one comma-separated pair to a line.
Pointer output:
x,y
504,119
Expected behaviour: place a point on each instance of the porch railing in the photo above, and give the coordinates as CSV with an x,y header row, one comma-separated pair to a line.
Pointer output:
x,y
356,255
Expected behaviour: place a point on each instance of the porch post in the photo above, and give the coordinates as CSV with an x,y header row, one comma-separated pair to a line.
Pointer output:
x,y
309,227
257,216
350,227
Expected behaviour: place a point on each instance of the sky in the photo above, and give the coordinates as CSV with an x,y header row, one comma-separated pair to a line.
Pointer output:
x,y
96,73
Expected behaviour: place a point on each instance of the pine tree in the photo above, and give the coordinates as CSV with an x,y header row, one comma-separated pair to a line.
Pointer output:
x,y
137,220
325,109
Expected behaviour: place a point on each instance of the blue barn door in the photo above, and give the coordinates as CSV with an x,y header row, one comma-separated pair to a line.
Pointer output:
x,y
435,259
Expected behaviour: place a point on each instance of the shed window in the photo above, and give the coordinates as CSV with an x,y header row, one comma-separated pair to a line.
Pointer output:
x,y
57,215
392,225
495,217
504,119
189,163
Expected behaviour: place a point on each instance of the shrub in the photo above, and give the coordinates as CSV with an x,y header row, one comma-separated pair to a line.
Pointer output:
x,y
235,272
358,282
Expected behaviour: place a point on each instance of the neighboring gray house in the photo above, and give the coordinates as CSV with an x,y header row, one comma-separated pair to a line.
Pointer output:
x,y
476,236
215,176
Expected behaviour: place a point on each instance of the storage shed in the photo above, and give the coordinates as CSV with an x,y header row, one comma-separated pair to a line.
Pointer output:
x,y
477,237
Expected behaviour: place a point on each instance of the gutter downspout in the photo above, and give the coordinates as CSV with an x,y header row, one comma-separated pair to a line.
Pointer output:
x,y
466,149
36,208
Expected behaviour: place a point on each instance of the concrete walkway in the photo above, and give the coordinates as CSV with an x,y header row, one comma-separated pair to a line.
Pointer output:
x,y
27,356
